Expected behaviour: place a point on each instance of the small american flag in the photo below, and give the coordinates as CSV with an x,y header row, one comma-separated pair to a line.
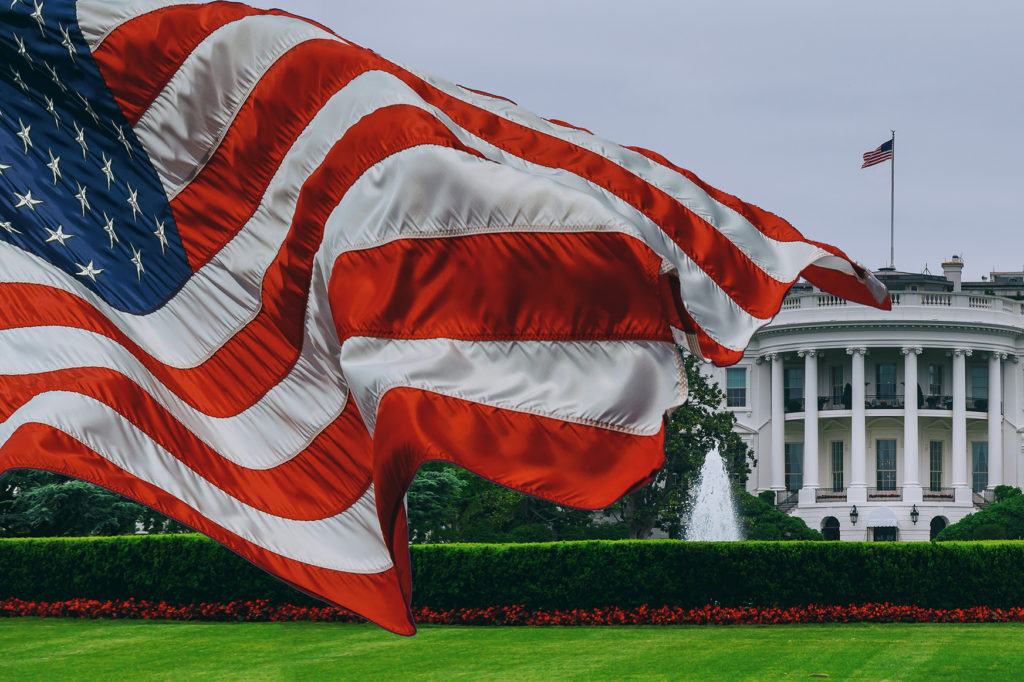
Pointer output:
x,y
253,275
876,156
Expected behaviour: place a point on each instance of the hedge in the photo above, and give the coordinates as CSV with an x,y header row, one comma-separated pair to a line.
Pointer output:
x,y
569,575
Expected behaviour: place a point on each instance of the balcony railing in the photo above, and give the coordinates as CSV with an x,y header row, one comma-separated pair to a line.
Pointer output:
x,y
829,495
937,494
938,402
977,404
794,405
883,401
786,499
880,494
983,498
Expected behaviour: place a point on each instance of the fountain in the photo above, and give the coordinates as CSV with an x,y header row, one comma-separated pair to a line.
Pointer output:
x,y
712,513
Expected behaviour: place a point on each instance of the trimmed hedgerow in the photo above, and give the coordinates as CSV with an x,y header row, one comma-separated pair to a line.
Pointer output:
x,y
186,569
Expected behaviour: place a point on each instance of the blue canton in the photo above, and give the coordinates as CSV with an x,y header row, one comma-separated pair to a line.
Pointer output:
x,y
76,187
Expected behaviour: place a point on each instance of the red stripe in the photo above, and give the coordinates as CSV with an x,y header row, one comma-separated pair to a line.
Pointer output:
x,y
571,464
321,480
584,285
379,596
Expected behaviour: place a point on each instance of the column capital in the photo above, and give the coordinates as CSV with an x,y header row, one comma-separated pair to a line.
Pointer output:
x,y
999,356
907,350
767,357
966,352
807,352
860,350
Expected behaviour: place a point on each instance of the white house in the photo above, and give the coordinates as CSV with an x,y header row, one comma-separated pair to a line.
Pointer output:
x,y
876,425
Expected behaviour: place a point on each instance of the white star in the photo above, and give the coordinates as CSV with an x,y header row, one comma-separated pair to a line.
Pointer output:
x,y
66,42
24,135
3,168
21,48
107,170
88,108
52,111
80,138
37,14
58,236
10,228
27,200
54,165
161,235
81,198
133,201
88,271
108,227
18,80
15,2
137,262
124,140
55,77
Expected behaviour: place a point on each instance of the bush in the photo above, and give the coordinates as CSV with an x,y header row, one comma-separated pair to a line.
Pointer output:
x,y
760,520
1007,516
1004,492
189,569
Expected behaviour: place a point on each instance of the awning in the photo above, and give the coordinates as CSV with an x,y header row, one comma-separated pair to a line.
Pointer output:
x,y
882,517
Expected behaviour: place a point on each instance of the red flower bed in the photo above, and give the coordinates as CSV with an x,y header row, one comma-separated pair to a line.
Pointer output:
x,y
253,611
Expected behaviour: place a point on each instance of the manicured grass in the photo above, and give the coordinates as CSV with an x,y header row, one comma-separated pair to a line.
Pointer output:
x,y
32,648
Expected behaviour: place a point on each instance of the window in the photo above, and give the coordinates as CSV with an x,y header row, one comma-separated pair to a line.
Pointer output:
x,y
979,466
885,381
794,466
793,388
886,534
830,528
736,387
935,380
978,396
885,471
837,466
835,382
935,465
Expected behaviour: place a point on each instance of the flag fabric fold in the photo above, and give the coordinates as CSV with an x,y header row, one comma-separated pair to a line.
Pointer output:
x,y
879,155
253,275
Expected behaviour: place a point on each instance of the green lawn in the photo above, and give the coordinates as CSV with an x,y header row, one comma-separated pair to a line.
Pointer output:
x,y
33,648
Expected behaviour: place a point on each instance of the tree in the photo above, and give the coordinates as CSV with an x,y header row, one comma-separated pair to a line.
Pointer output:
x,y
693,430
44,504
433,503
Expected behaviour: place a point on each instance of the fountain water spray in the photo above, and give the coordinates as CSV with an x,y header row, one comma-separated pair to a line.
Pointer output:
x,y
712,513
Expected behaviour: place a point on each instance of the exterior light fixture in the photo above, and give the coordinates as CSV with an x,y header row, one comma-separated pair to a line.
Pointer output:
x,y
914,514
854,515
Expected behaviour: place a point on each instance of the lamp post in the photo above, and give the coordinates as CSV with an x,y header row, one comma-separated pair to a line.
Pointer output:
x,y
853,515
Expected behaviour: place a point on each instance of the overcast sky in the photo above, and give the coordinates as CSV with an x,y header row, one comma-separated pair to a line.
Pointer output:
x,y
774,102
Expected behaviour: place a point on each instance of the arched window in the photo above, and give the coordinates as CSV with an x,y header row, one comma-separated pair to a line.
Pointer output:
x,y
830,528
938,523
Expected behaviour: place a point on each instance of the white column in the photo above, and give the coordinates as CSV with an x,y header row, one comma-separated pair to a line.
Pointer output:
x,y
911,454
959,426
857,491
995,419
778,465
808,490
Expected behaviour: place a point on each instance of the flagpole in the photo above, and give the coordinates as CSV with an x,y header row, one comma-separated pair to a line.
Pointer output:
x,y
892,203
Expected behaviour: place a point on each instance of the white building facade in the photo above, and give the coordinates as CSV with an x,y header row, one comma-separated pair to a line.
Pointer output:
x,y
886,425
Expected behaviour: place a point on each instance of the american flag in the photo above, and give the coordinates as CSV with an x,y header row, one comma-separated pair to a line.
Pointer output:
x,y
880,155
253,275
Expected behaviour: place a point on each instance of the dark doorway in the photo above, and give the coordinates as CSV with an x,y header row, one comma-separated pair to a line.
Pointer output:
x,y
938,524
830,528
885,534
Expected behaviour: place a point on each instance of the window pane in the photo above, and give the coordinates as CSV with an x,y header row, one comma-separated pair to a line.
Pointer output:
x,y
886,464
794,466
837,466
836,383
935,379
736,387
935,465
979,382
793,387
979,466
885,375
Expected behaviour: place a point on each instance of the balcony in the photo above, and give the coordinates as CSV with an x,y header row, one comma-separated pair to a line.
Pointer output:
x,y
938,402
883,401
885,494
829,495
937,494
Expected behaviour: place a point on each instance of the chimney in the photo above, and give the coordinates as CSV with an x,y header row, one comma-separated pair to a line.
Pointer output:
x,y
952,269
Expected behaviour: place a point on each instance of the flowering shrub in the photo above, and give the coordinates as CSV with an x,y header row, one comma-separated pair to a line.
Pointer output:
x,y
263,611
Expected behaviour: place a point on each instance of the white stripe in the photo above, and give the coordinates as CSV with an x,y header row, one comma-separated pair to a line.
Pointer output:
x,y
608,384
272,431
188,119
780,260
350,541
99,18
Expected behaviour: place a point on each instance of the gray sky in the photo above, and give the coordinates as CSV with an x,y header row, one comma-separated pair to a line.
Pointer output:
x,y
774,102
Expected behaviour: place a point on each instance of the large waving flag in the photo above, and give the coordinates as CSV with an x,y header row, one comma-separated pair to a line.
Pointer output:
x,y
253,275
